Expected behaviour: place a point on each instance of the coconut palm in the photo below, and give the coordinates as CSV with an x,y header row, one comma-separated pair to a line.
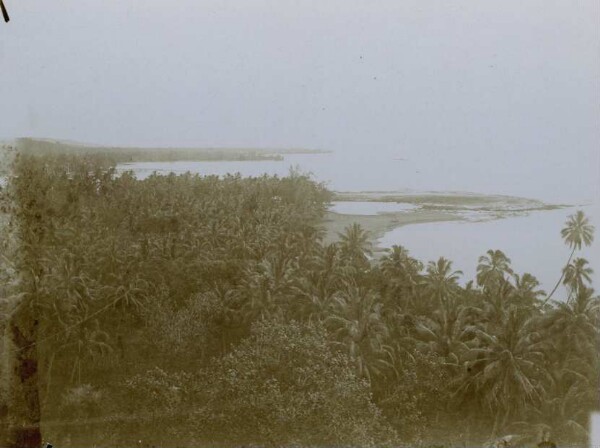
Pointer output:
x,y
357,324
564,409
506,368
577,232
314,291
397,261
266,288
575,324
493,269
355,243
447,333
441,282
401,270
577,274
526,292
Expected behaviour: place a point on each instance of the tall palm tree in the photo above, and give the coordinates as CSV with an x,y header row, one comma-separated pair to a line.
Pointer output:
x,y
577,274
577,232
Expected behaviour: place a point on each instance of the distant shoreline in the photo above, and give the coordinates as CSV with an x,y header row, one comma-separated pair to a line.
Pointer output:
x,y
432,207
130,154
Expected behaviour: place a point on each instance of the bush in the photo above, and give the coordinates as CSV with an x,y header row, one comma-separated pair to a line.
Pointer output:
x,y
284,385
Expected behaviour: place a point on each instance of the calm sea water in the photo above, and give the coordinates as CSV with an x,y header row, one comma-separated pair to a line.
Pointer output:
x,y
370,208
532,242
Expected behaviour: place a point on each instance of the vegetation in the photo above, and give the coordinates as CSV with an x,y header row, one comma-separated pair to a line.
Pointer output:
x,y
197,311
130,154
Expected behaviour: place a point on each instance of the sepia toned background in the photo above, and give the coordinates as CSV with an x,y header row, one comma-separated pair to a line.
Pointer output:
x,y
388,267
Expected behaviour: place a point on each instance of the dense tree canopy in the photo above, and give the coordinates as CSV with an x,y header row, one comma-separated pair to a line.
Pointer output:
x,y
190,310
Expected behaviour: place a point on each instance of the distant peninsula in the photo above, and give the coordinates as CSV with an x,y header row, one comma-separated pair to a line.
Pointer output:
x,y
125,154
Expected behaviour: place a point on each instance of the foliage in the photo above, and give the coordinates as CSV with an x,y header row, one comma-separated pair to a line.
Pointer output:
x,y
207,310
285,385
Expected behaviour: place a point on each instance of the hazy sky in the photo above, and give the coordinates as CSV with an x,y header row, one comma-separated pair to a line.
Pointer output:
x,y
504,81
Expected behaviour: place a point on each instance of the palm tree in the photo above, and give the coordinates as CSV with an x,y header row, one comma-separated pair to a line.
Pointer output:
x,y
355,243
575,324
358,325
492,269
395,260
564,410
526,290
506,368
577,232
577,274
402,270
314,291
447,333
266,287
441,282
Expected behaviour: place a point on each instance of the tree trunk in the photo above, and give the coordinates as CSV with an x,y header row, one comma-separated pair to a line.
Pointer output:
x,y
561,277
24,402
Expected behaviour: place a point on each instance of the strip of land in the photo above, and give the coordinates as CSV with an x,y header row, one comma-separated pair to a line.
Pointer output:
x,y
430,207
125,154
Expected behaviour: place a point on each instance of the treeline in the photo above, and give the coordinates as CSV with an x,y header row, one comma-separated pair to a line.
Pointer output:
x,y
206,311
33,146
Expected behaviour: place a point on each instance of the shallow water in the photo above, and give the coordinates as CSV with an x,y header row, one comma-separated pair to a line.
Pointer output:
x,y
532,242
369,208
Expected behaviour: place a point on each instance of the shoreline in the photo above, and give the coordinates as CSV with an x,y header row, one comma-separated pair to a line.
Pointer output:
x,y
432,207
140,154
378,225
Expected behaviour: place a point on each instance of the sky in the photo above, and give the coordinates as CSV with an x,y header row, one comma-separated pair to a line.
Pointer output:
x,y
508,85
